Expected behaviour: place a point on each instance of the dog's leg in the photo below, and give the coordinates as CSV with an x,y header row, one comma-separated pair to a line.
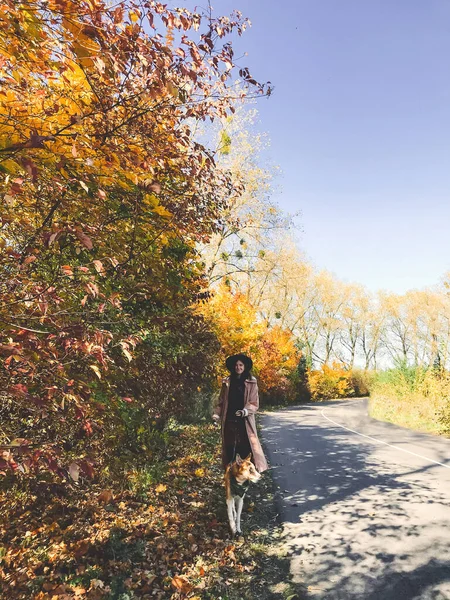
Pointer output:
x,y
231,514
239,504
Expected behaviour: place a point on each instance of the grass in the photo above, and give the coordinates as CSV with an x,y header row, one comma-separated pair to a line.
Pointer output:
x,y
412,397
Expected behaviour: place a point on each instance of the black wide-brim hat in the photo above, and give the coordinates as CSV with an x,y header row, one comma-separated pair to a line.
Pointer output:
x,y
232,360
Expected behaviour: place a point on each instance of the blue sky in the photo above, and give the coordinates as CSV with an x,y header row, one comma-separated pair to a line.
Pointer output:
x,y
360,127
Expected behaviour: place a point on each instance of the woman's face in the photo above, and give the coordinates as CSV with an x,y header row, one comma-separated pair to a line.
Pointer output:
x,y
239,367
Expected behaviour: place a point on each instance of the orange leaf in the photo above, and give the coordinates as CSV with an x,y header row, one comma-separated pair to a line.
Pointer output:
x,y
81,548
105,497
67,270
181,584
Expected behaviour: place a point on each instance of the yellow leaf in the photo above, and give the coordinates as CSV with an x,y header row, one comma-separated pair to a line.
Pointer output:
x,y
173,90
200,473
134,16
11,166
96,370
126,352
160,488
151,200
162,212
180,584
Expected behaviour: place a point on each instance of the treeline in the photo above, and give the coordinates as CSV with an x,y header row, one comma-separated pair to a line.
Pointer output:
x,y
329,320
327,337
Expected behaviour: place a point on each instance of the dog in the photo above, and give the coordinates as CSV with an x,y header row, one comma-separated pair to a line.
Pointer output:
x,y
238,476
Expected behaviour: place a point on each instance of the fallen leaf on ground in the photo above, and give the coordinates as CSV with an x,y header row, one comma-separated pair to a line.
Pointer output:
x,y
181,584
105,497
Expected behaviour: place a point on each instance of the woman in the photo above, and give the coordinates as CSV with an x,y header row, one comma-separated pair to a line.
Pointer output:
x,y
238,403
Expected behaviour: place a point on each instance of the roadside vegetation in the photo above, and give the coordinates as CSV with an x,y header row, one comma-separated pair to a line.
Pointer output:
x,y
155,530
413,397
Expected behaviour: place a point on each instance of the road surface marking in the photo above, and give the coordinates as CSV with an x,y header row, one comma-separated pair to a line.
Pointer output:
x,y
382,442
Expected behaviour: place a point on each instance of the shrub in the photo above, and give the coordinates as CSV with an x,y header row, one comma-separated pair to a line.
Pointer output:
x,y
277,360
330,382
361,382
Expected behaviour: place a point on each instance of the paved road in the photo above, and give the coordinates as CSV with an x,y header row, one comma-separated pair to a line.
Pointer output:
x,y
362,519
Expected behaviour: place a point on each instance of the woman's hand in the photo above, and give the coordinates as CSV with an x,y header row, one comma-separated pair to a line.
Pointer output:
x,y
241,413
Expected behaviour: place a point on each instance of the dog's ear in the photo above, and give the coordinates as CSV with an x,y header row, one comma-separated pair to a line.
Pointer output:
x,y
249,457
238,459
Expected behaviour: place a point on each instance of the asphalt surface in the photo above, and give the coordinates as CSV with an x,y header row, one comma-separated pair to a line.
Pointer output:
x,y
362,519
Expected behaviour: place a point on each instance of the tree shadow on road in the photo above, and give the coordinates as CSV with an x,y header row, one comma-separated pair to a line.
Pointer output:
x,y
357,526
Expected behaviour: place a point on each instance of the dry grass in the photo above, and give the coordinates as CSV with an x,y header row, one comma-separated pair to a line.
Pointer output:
x,y
414,398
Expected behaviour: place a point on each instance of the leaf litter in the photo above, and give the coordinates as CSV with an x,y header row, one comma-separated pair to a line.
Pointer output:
x,y
170,540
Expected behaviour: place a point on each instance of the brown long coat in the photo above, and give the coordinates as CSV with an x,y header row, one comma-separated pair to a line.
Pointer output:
x,y
251,403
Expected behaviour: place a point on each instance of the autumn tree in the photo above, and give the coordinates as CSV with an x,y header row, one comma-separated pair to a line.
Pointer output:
x,y
330,300
418,326
251,222
106,195
373,323
280,283
352,316
398,338
240,328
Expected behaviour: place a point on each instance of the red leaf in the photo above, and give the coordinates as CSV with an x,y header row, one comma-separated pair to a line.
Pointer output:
x,y
88,428
87,469
19,390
